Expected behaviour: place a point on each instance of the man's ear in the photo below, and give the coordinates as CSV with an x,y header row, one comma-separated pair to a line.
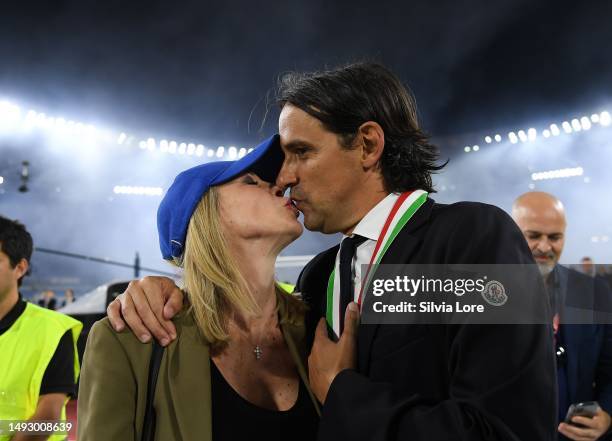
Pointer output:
x,y
21,268
372,138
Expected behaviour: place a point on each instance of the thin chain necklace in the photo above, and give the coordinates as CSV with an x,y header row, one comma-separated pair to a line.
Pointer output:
x,y
257,347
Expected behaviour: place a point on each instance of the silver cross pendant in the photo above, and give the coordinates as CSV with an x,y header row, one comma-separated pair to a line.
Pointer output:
x,y
258,352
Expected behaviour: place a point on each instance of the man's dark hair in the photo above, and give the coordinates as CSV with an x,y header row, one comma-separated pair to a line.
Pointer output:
x,y
15,241
345,98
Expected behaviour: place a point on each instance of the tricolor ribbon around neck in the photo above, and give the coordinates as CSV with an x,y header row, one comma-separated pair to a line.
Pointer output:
x,y
404,208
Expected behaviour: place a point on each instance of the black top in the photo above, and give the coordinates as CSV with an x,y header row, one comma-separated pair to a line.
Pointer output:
x,y
59,376
234,418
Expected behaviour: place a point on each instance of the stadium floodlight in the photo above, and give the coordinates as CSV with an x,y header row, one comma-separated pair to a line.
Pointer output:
x,y
567,127
200,150
242,152
142,144
232,152
122,138
557,174
138,191
210,153
576,125
488,139
250,150
172,147
532,134
546,133
498,138
182,148
554,130
522,135
191,148
220,151
1,180
151,143
467,149
476,148
595,118
604,118
585,122
512,137
163,145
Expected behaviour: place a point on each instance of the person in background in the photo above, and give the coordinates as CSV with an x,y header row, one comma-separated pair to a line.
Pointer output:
x,y
48,300
68,297
584,351
39,365
587,266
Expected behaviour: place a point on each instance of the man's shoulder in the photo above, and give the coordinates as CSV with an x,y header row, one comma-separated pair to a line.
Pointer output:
x,y
48,317
323,260
468,211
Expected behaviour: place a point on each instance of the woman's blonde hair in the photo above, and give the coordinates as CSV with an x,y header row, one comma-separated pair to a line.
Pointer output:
x,y
212,281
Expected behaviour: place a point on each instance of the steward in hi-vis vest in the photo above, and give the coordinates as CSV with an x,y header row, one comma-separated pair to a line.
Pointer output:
x,y
39,365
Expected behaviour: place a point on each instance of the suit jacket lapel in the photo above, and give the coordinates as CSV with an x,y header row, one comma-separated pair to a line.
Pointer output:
x,y
399,252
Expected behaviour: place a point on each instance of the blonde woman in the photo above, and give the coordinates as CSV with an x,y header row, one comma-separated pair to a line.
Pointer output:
x,y
236,370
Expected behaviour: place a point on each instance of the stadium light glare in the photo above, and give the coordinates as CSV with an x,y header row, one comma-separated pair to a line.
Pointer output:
x,y
476,148
604,118
532,134
220,151
138,191
576,125
210,153
557,174
182,148
232,152
595,118
498,138
546,133
554,130
488,139
467,149
200,150
512,137
567,127
522,135
585,122
242,152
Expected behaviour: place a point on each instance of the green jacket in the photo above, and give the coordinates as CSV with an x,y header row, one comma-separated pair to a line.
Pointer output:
x,y
113,385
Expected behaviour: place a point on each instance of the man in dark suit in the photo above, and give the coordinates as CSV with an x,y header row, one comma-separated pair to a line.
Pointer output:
x,y
356,158
584,346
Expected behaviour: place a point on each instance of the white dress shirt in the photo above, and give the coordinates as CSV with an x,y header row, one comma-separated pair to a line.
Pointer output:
x,y
369,227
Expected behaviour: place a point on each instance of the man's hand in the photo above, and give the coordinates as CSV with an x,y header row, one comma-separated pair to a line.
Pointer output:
x,y
147,306
327,359
594,427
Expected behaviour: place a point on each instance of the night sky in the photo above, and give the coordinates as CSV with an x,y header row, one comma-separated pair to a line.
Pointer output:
x,y
206,70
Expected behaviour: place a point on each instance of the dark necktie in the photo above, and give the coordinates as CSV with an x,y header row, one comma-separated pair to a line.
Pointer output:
x,y
347,252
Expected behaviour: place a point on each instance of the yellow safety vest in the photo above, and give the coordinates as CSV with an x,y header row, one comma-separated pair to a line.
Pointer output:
x,y
26,349
287,287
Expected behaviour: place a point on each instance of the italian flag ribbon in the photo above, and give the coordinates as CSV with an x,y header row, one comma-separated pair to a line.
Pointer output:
x,y
404,208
